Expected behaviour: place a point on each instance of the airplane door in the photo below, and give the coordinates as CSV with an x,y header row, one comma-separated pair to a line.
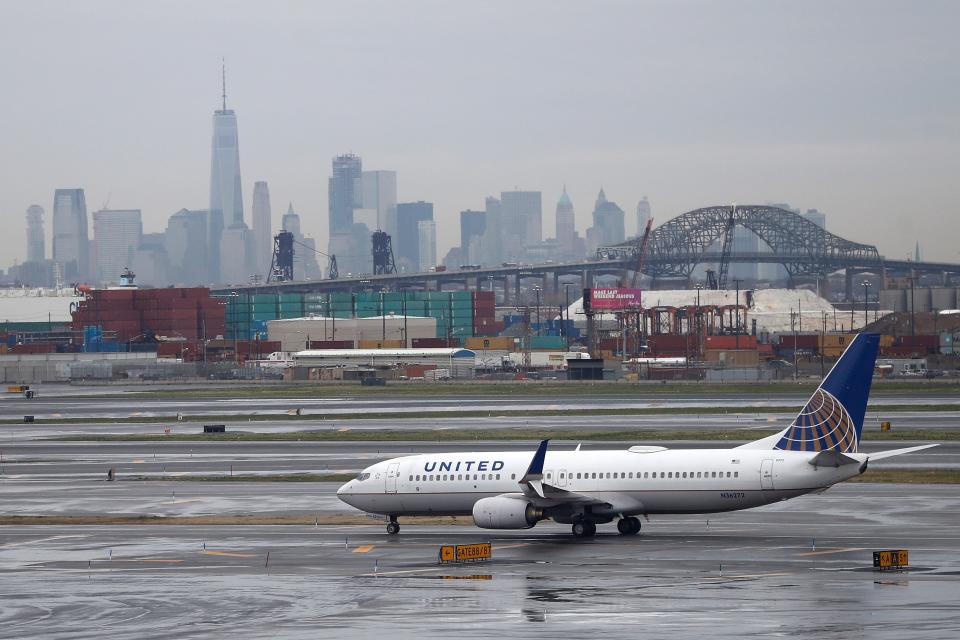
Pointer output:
x,y
393,472
766,475
562,478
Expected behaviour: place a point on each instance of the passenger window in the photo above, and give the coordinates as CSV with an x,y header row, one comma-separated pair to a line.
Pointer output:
x,y
593,475
736,474
513,476
608,475
578,476
561,475
411,478
548,476
631,474
713,474
698,474
498,476
670,474
728,474
474,476
684,474
663,474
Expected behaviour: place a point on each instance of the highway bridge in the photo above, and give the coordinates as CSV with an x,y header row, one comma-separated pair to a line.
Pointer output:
x,y
676,248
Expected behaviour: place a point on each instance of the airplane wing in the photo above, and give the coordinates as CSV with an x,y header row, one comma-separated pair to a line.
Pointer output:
x,y
542,494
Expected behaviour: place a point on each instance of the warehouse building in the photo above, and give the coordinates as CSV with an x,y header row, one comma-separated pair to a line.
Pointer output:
x,y
297,334
458,363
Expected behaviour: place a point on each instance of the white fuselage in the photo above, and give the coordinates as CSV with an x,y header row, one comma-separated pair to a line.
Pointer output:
x,y
630,482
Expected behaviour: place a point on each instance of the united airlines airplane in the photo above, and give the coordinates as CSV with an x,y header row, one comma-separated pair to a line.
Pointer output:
x,y
515,490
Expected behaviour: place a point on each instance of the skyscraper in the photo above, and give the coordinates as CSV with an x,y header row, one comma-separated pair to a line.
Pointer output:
x,y
226,194
407,246
344,195
566,223
521,221
427,244
305,265
643,215
71,243
36,245
379,194
473,224
816,217
262,228
116,234
492,243
608,224
185,241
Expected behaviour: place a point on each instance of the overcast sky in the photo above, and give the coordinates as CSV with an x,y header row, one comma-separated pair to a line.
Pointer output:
x,y
848,107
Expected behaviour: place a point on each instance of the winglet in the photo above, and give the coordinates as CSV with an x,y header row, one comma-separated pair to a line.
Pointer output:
x,y
533,478
535,470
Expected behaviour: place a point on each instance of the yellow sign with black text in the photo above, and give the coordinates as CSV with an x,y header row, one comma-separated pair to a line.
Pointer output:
x,y
891,559
466,553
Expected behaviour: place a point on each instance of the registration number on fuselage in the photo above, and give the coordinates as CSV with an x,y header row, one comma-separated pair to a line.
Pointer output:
x,y
732,495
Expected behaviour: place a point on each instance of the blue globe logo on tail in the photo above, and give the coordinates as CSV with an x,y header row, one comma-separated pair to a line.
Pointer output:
x,y
833,416
823,424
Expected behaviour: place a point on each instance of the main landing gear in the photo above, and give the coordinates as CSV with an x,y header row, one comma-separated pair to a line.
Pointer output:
x,y
584,529
629,526
393,527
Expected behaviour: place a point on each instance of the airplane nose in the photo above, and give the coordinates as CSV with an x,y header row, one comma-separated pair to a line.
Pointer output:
x,y
344,491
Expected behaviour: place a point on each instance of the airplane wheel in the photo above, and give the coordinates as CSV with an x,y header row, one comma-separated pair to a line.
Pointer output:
x,y
584,529
393,528
634,524
591,529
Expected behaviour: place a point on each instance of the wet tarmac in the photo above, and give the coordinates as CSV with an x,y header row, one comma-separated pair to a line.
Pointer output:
x,y
801,568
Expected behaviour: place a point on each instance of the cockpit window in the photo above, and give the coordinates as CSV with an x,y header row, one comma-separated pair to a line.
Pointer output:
x,y
362,476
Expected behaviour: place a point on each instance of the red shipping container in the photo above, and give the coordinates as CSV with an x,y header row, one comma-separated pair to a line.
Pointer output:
x,y
330,344
741,342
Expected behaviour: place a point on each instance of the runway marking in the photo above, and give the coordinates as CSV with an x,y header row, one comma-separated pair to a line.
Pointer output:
x,y
392,573
829,551
26,542
363,548
230,554
511,546
137,462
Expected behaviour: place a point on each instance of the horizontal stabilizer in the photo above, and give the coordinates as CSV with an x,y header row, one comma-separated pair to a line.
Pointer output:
x,y
831,458
899,452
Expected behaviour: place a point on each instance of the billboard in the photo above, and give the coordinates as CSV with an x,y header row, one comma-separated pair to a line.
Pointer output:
x,y
614,298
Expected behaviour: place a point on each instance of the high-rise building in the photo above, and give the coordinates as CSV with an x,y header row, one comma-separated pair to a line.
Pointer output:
x,y
407,246
344,195
427,245
521,221
226,194
236,247
492,244
379,194
643,215
71,242
816,217
305,266
185,241
473,224
262,228
116,234
608,224
150,261
36,244
566,223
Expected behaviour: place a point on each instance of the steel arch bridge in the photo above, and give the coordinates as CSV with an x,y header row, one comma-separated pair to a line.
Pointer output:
x,y
803,248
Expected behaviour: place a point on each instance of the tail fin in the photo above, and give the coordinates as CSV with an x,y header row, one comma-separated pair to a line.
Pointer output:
x,y
832,419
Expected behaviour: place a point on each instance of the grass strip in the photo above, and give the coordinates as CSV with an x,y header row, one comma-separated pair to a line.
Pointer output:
x,y
506,434
469,413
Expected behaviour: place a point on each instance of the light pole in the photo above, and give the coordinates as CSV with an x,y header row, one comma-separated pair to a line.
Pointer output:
x,y
383,320
536,291
866,299
699,320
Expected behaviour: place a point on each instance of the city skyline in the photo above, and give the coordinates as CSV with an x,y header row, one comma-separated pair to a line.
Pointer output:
x,y
866,157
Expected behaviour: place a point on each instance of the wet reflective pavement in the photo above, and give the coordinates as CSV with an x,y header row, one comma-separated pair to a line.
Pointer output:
x,y
801,568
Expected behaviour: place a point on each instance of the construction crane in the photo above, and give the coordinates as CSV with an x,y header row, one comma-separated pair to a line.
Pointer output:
x,y
727,245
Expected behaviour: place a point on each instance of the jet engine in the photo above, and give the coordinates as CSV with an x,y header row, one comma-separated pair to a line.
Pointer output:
x,y
502,512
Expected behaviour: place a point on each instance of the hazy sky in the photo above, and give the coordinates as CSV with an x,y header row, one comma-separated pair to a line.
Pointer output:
x,y
849,107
